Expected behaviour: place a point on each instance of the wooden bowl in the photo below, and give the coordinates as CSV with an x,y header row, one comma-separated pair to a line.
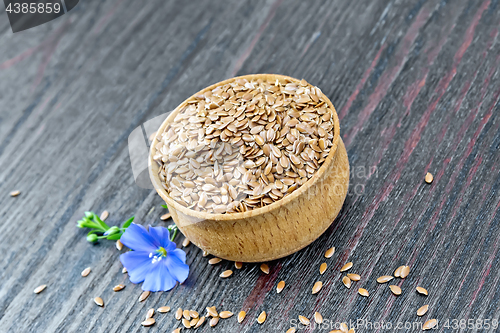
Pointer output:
x,y
273,231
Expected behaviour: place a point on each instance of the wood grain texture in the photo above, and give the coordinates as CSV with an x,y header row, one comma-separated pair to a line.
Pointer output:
x,y
416,86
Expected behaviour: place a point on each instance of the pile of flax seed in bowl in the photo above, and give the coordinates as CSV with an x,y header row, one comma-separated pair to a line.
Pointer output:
x,y
244,144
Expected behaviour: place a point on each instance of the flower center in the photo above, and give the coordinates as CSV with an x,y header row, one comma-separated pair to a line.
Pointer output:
x,y
158,255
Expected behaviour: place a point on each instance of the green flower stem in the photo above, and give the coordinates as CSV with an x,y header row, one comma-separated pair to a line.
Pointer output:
x,y
176,230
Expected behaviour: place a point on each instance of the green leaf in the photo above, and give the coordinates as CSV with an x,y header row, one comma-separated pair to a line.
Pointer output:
x,y
101,222
127,223
115,236
165,206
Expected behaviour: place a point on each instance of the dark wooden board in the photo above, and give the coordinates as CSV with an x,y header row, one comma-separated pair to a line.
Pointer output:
x,y
416,85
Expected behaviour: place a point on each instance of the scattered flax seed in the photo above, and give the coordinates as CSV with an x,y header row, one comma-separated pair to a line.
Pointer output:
x,y
214,321
344,328
354,277
165,216
397,272
186,323
317,287
186,314
186,242
336,331
200,322
363,292
291,330
346,281
405,271
119,245
194,321
226,274
429,177
395,290
205,253
164,309
262,317
238,265
329,253
144,296
304,321
225,314
194,314
241,316
214,261
178,314
212,311
422,291
318,318
148,322
280,286
118,287
124,270
423,310
99,301
177,330
104,215
384,279
429,324
15,193
264,268
86,272
346,267
150,313
351,330
322,268
39,289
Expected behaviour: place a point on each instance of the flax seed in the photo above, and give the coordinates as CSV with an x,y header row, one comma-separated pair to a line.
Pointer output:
x,y
119,245
397,272
15,193
144,296
150,313
422,310
165,217
262,317
346,281
226,274
304,321
430,324
200,322
241,316
363,292
186,242
212,311
178,314
429,178
280,287
346,267
317,287
164,309
264,268
104,215
351,330
186,323
238,265
329,253
344,328
384,279
291,330
322,268
186,314
39,289
225,314
354,277
194,314
214,321
405,271
214,261
395,290
148,322
318,318
422,291
124,270
99,301
86,272
118,287
177,330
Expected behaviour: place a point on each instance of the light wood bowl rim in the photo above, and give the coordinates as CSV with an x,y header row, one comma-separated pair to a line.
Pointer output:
x,y
155,179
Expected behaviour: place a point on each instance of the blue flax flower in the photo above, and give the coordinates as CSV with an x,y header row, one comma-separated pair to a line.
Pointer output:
x,y
154,259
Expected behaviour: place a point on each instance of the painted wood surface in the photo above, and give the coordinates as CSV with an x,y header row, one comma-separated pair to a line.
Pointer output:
x,y
416,85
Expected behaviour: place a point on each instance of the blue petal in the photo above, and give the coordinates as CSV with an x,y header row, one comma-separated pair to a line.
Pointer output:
x,y
158,278
176,264
137,263
161,235
137,238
